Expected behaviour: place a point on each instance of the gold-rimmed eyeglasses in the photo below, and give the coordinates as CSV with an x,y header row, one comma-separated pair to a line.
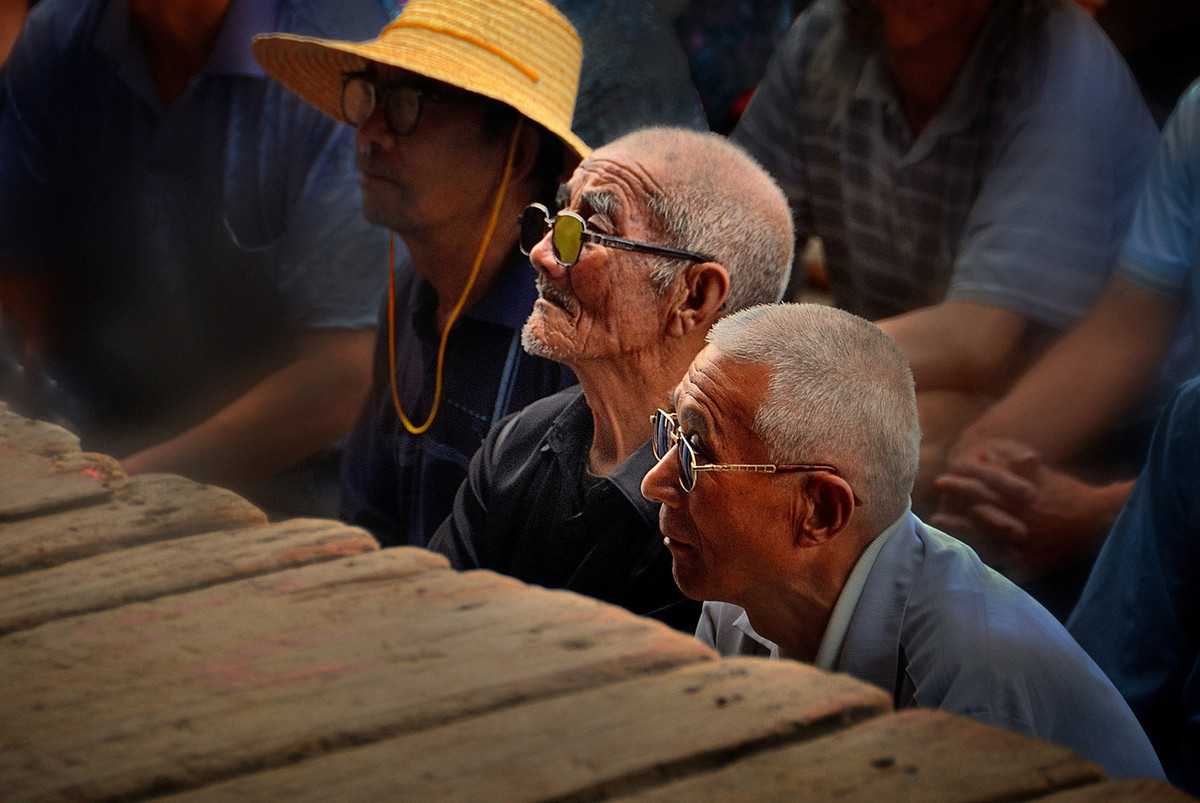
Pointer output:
x,y
666,435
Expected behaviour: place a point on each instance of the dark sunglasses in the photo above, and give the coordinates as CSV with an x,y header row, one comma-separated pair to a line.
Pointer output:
x,y
569,232
666,435
401,102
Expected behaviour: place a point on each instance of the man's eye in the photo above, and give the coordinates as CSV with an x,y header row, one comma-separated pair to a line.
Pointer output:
x,y
599,223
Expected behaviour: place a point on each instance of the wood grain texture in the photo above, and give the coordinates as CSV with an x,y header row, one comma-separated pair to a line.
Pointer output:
x,y
195,687
142,509
104,581
917,754
33,485
22,434
584,745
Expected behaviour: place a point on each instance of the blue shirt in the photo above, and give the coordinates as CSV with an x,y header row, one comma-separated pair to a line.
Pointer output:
x,y
1139,614
401,486
1016,193
1162,251
936,628
189,243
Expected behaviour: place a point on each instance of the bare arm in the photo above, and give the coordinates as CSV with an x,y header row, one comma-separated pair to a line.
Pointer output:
x,y
291,413
1088,379
999,491
959,345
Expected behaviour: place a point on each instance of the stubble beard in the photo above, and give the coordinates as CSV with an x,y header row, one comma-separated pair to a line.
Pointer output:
x,y
532,343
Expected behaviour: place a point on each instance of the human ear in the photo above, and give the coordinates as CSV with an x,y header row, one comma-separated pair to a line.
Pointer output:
x,y
529,144
831,506
705,286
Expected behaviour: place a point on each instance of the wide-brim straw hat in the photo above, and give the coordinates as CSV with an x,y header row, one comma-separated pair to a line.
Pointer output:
x,y
520,52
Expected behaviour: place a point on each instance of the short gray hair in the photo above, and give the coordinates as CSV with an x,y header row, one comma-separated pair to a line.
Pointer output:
x,y
717,200
841,392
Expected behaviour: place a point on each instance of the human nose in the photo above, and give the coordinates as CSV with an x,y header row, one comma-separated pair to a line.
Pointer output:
x,y
541,256
374,129
661,483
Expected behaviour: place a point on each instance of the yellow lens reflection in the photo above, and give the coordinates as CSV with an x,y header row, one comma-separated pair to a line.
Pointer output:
x,y
568,238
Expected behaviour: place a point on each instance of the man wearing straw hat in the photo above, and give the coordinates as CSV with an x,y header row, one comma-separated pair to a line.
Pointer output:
x,y
658,234
463,111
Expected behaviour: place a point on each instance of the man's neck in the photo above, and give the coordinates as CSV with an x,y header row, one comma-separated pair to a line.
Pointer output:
x,y
177,38
446,258
450,276
797,616
925,74
622,395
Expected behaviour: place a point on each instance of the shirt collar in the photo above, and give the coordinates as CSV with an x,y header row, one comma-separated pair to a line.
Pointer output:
x,y
565,432
231,53
628,477
847,601
507,302
967,93
742,623
245,19
829,652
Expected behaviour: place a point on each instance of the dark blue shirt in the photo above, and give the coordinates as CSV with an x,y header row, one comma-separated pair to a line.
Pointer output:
x,y
190,242
401,486
1139,616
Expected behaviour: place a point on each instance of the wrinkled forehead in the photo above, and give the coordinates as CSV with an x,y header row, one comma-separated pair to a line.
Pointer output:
x,y
720,396
611,180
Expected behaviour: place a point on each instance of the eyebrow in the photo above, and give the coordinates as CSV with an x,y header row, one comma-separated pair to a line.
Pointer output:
x,y
692,419
598,202
603,203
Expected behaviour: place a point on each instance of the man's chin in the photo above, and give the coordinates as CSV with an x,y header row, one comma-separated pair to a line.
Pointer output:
x,y
687,575
532,339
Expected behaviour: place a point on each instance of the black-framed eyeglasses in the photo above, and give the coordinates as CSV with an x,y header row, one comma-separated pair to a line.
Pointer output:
x,y
401,101
569,232
666,435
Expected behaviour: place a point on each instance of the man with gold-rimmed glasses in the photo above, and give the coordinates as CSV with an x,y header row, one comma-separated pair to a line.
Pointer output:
x,y
785,472
657,235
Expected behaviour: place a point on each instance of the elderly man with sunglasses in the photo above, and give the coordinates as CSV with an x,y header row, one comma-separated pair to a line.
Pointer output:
x,y
785,473
658,234
465,112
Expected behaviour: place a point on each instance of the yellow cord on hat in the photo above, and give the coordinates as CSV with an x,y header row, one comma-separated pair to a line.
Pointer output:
x,y
462,299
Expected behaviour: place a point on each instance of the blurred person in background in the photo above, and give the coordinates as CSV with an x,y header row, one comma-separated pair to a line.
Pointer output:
x,y
185,272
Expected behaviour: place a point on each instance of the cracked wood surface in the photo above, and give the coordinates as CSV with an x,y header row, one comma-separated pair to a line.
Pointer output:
x,y
158,637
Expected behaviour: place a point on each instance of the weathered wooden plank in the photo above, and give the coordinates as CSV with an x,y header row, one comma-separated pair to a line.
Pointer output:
x,y
911,755
141,573
32,485
1121,791
190,688
143,509
35,437
581,746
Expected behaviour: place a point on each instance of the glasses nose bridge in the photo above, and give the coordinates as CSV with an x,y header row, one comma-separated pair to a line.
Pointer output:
x,y
667,426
